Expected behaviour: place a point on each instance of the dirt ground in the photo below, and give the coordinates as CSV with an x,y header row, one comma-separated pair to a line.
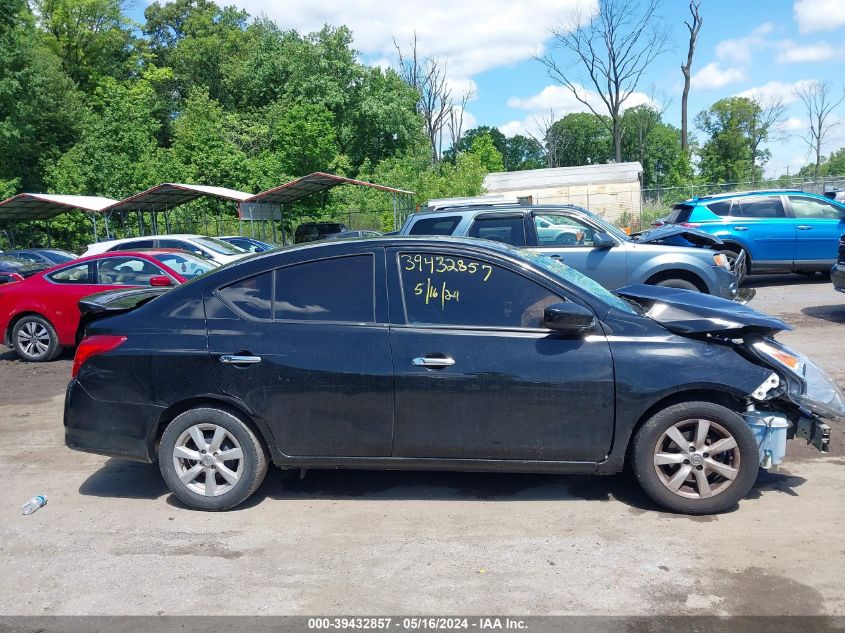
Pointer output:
x,y
111,540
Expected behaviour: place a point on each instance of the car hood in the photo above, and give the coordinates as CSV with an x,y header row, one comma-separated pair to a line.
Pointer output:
x,y
696,237
690,312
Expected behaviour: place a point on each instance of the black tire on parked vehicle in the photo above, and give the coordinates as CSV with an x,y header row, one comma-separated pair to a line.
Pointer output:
x,y
732,255
695,458
677,283
211,459
35,339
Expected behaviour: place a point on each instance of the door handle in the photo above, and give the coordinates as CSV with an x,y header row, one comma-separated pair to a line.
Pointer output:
x,y
804,227
437,361
560,257
740,228
230,359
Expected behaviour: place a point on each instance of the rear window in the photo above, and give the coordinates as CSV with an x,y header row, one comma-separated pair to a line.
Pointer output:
x,y
680,213
435,226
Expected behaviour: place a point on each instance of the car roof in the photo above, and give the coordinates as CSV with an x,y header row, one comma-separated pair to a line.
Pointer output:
x,y
123,240
740,194
498,208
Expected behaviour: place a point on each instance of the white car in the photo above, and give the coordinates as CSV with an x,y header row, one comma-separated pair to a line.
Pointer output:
x,y
208,247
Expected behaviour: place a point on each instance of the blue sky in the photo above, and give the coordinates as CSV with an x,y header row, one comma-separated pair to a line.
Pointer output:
x,y
765,46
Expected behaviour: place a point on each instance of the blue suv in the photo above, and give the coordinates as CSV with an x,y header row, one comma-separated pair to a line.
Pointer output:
x,y
778,230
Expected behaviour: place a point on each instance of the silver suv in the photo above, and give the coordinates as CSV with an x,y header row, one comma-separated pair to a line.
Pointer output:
x,y
672,256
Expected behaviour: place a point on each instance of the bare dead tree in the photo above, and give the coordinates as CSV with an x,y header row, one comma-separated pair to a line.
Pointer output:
x,y
435,103
694,28
546,136
765,127
613,49
819,104
456,118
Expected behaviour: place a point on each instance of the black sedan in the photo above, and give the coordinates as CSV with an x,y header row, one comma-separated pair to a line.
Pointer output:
x,y
43,256
15,269
440,353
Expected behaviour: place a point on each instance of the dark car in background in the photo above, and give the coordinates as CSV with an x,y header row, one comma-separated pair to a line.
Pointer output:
x,y
43,256
345,235
451,354
15,269
314,231
249,244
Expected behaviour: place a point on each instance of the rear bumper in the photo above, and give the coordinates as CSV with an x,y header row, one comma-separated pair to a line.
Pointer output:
x,y
837,275
115,429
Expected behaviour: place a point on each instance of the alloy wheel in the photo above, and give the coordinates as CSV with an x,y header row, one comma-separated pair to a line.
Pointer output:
x,y
33,339
697,458
208,460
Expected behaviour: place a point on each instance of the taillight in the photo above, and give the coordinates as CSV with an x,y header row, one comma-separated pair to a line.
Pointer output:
x,y
93,346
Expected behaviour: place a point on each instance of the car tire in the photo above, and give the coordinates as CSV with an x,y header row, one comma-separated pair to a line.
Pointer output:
x,y
192,459
683,284
35,339
697,481
732,256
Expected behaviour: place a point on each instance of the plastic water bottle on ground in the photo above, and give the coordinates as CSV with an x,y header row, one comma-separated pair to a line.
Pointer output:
x,y
33,504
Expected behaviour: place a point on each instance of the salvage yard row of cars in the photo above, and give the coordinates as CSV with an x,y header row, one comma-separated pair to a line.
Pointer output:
x,y
472,341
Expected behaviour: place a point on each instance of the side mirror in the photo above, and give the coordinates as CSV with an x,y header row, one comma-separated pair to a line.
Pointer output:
x,y
161,281
603,240
569,318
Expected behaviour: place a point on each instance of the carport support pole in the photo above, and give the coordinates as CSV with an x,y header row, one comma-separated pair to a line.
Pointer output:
x,y
395,213
94,219
49,236
273,222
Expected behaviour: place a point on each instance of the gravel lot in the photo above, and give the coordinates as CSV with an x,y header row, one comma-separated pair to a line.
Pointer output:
x,y
111,540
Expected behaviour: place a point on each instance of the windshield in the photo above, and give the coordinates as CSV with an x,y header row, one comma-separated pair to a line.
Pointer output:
x,y
218,246
58,257
558,269
187,265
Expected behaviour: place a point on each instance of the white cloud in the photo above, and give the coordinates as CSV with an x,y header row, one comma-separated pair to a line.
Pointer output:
x,y
740,49
714,76
560,101
773,90
475,35
795,53
819,15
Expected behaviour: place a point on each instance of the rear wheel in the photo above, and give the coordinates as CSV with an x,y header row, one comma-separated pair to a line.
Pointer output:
x,y
35,340
695,458
677,283
211,460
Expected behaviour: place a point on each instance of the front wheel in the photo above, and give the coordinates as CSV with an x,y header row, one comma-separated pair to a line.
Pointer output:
x,y
695,458
211,460
683,284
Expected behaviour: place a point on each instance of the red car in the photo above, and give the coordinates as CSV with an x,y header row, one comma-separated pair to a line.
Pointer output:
x,y
39,315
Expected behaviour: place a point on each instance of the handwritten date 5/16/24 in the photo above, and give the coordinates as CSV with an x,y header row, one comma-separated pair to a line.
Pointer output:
x,y
432,293
437,264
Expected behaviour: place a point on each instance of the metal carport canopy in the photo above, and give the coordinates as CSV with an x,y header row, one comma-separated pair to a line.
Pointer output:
x,y
314,183
168,195
44,206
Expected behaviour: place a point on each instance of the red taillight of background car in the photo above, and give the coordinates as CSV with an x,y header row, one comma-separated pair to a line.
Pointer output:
x,y
93,346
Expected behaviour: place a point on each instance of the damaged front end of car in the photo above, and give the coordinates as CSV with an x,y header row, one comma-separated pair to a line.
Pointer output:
x,y
794,398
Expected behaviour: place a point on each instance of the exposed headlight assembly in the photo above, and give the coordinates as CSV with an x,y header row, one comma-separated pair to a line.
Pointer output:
x,y
721,260
813,389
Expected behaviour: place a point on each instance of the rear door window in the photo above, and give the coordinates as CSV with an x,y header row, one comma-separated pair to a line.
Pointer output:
x,y
508,229
79,274
338,289
759,207
435,226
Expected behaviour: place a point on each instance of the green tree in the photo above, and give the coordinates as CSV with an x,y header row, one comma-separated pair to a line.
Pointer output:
x,y
487,153
117,153
580,138
39,106
93,38
656,145
464,144
522,152
303,138
727,154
